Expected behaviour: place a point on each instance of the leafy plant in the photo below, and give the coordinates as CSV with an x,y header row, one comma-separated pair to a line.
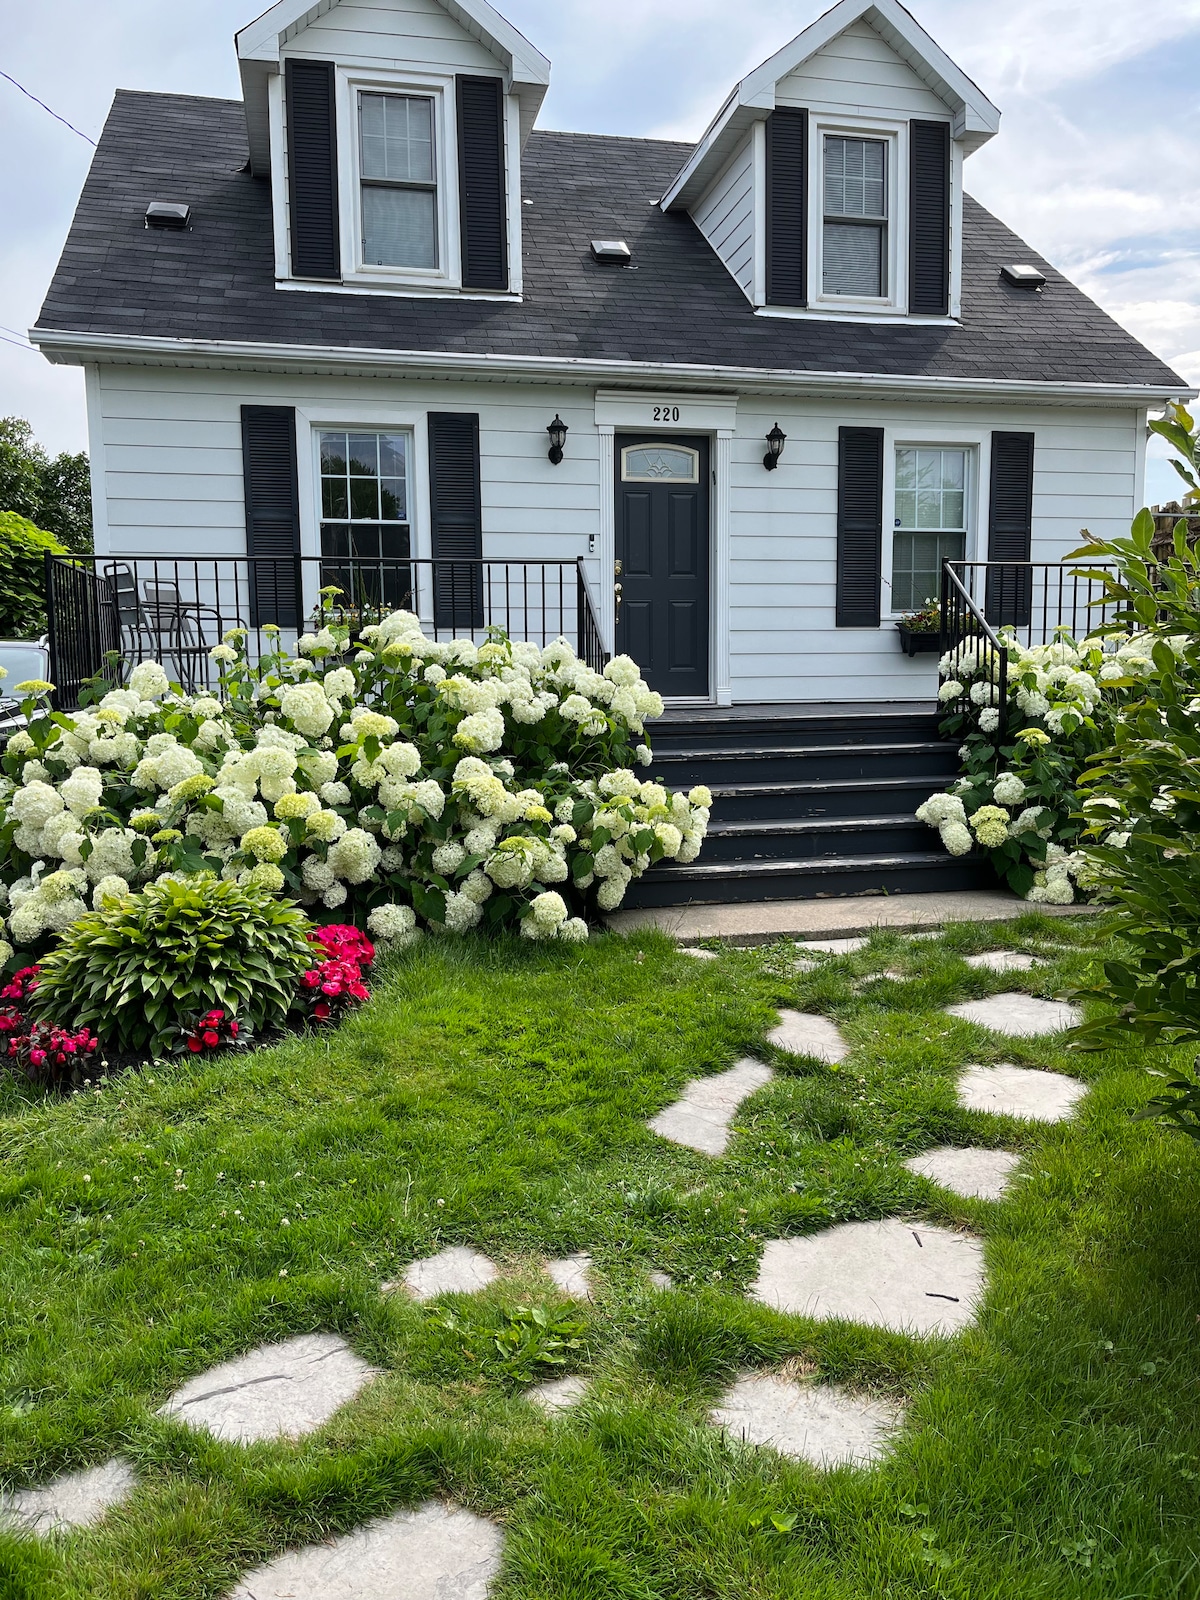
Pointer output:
x,y
514,1343
23,551
145,965
55,492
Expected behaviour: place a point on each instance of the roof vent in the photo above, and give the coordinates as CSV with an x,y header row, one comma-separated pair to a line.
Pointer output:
x,y
1023,277
168,214
614,251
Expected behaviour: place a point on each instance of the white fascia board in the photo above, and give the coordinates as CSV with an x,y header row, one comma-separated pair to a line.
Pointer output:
x,y
976,119
73,349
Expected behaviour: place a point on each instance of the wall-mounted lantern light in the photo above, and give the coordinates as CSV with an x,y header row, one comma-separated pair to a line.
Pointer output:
x,y
775,443
558,437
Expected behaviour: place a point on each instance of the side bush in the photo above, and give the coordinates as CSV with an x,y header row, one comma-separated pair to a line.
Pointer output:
x,y
142,968
1020,800
23,551
398,781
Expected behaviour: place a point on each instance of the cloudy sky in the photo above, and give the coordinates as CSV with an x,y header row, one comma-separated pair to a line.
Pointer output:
x,y
1094,165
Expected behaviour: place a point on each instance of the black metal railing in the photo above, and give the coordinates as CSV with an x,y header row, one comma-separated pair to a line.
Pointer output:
x,y
971,648
175,609
1032,600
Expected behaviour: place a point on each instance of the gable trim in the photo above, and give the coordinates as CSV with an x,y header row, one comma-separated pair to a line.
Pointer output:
x,y
975,118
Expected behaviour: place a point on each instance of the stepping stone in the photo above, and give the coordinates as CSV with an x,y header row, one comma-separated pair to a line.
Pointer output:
x,y
912,1278
572,1275
560,1394
661,1280
804,1033
700,1119
437,1552
820,1423
834,947
1021,1016
76,1500
1003,961
700,955
456,1270
976,1174
1009,1091
803,964
279,1391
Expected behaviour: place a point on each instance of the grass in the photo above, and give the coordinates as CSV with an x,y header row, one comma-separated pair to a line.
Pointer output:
x,y
496,1096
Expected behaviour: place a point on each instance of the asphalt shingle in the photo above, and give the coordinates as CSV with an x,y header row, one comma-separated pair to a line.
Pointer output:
x,y
675,304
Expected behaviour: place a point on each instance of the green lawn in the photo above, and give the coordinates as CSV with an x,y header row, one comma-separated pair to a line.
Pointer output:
x,y
496,1096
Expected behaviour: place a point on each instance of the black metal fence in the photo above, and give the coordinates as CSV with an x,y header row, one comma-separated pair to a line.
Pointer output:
x,y
175,609
986,603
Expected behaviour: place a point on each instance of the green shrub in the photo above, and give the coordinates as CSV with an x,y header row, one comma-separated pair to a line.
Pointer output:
x,y
23,551
147,964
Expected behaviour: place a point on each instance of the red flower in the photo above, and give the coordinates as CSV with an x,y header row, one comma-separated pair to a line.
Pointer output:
x,y
212,1039
37,1057
322,1010
311,978
194,1044
233,1030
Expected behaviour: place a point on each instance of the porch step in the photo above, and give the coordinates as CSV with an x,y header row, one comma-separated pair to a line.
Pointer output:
x,y
807,879
808,802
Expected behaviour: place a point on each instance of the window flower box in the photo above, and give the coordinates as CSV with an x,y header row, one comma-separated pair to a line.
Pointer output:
x,y
921,631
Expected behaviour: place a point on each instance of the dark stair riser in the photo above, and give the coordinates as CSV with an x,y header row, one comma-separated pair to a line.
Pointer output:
x,y
938,762
816,801
903,875
675,741
847,837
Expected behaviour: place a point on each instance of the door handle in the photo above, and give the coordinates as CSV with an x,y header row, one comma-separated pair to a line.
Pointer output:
x,y
617,591
616,569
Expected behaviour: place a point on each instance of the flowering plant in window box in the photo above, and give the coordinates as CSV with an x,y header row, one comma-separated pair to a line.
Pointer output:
x,y
921,631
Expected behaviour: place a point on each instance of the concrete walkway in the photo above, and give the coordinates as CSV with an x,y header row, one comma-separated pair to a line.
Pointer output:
x,y
765,921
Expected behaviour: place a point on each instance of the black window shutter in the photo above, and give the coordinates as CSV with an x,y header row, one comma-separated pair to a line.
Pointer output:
x,y
859,526
1009,592
481,206
456,517
929,218
787,208
272,514
312,169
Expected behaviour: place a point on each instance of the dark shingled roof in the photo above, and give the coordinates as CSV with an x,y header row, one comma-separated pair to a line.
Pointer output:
x,y
676,304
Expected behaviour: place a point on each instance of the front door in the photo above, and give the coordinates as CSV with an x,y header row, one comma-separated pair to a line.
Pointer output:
x,y
662,563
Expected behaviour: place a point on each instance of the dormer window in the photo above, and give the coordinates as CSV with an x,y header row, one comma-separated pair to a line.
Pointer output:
x,y
398,178
854,251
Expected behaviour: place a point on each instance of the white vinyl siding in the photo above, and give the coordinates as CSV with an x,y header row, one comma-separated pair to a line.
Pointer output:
x,y
859,73
725,216
415,34
168,443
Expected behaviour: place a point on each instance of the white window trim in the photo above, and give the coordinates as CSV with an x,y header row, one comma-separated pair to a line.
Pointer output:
x,y
364,417
350,84
977,444
895,137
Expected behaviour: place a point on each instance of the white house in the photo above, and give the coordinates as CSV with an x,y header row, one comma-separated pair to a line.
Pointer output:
x,y
380,244
789,370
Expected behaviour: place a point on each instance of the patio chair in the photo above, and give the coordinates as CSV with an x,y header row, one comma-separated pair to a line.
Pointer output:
x,y
180,626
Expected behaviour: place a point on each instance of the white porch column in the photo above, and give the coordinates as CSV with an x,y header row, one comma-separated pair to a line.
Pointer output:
x,y
722,690
608,537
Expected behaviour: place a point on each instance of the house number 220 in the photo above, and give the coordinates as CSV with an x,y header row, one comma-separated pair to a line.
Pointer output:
x,y
666,413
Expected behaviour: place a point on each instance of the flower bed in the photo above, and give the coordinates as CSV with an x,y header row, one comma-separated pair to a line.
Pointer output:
x,y
401,782
1021,801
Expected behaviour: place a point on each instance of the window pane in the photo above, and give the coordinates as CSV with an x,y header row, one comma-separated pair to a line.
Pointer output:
x,y
917,566
363,451
335,539
364,497
399,227
392,456
391,499
852,260
855,178
333,452
655,461
394,544
364,542
333,497
929,509
397,137
953,509
906,469
906,508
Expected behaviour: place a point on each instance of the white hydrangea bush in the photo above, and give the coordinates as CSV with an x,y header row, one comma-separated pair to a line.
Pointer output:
x,y
414,783
1018,797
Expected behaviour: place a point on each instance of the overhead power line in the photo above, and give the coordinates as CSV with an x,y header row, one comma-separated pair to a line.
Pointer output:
x,y
31,96
16,344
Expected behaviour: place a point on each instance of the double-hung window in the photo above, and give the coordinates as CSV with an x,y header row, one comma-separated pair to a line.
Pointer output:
x,y
854,237
365,528
398,179
930,521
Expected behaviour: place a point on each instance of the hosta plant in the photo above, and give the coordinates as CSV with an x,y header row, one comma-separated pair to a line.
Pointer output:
x,y
145,966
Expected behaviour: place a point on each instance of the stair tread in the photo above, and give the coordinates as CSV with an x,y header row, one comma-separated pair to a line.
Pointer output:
x,y
829,786
774,825
818,751
807,866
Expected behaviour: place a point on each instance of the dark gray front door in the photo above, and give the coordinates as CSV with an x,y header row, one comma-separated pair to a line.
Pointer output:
x,y
662,556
